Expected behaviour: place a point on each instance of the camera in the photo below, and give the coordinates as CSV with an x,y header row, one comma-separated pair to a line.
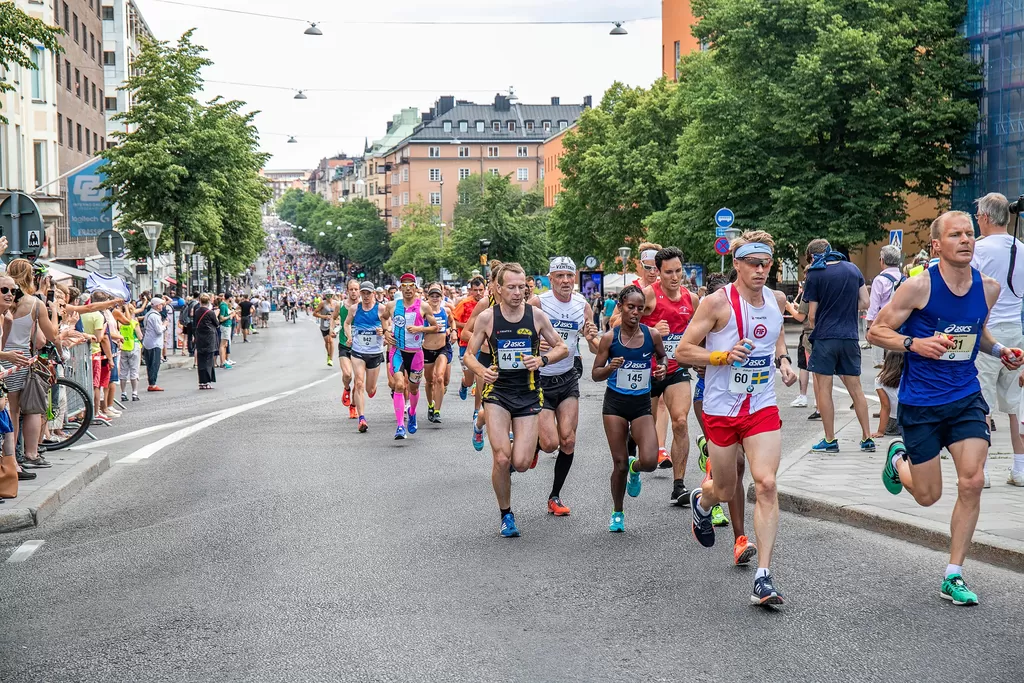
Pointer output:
x,y
1017,204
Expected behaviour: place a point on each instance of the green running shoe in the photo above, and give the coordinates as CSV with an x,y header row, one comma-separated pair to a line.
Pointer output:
x,y
890,477
955,590
618,523
702,459
633,480
718,517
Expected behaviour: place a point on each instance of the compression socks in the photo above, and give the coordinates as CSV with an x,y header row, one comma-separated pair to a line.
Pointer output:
x,y
414,400
398,399
562,466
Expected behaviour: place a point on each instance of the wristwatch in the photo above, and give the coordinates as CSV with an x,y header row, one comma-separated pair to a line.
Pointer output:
x,y
544,360
778,361
908,342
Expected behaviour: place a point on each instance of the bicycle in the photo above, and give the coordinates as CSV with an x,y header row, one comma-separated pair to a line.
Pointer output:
x,y
69,411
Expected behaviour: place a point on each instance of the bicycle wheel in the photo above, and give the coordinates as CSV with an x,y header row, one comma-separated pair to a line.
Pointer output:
x,y
76,404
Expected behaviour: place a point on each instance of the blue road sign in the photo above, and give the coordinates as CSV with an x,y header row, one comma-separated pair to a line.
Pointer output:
x,y
722,246
87,215
720,232
724,218
896,238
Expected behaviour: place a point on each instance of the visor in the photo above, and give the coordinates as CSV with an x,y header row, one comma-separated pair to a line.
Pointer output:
x,y
648,255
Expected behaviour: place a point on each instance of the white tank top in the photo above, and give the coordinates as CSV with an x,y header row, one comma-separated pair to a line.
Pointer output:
x,y
730,391
567,317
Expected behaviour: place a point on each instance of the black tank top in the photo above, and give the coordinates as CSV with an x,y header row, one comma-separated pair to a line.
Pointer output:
x,y
509,342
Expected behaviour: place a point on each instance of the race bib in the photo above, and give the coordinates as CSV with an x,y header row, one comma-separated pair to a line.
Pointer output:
x,y
964,337
442,325
752,378
671,341
634,375
511,352
568,330
367,339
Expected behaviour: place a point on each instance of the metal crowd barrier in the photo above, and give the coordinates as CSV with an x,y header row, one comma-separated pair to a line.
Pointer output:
x,y
77,368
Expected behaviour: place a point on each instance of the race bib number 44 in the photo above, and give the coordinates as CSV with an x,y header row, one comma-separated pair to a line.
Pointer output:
x,y
752,378
671,341
511,352
634,375
964,337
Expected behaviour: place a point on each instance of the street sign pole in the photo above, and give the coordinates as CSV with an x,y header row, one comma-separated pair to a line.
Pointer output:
x,y
15,225
110,254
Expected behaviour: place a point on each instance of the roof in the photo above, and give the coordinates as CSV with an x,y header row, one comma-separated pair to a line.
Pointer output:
x,y
403,125
519,113
561,132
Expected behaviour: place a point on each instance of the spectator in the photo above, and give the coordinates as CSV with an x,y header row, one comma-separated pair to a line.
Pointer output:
x,y
224,317
609,311
882,287
153,341
131,352
207,342
94,324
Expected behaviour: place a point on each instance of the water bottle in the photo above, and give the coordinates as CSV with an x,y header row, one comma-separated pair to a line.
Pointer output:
x,y
748,347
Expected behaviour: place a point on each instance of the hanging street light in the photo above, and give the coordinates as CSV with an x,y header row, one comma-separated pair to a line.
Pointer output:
x,y
313,30
300,96
292,140
624,253
618,30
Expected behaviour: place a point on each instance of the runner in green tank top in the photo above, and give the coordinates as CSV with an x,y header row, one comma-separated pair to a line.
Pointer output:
x,y
350,298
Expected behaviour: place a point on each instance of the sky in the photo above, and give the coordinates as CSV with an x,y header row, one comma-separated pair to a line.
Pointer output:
x,y
411,65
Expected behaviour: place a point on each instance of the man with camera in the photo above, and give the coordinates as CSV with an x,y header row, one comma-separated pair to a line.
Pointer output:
x,y
1000,255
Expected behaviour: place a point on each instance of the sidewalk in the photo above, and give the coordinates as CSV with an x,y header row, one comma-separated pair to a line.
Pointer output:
x,y
847,487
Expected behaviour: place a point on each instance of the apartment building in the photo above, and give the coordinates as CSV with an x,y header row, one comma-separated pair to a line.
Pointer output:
x,y
282,180
458,138
676,39
377,173
124,31
82,126
554,150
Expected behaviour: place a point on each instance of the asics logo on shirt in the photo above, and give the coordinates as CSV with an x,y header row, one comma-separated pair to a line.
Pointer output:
x,y
955,329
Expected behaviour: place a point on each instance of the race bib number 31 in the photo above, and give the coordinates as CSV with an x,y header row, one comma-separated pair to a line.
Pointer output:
x,y
510,353
633,375
964,337
752,378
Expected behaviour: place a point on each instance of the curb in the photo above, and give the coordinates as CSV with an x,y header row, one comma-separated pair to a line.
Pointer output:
x,y
34,509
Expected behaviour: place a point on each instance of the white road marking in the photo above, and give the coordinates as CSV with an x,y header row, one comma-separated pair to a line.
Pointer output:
x,y
866,394
153,448
134,435
25,551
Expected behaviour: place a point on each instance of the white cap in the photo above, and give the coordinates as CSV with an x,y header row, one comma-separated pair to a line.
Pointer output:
x,y
562,264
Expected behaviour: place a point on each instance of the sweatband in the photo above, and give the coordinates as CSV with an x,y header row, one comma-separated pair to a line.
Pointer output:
x,y
648,255
719,358
753,248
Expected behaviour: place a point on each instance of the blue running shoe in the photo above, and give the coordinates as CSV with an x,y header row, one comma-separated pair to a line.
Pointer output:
x,y
508,526
765,593
703,529
411,421
463,392
476,414
826,446
868,445
633,480
618,523
400,433
478,438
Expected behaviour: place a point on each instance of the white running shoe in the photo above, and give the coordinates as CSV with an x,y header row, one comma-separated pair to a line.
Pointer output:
x,y
799,402
1015,478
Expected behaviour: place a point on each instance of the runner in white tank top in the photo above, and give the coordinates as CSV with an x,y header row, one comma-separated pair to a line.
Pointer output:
x,y
742,325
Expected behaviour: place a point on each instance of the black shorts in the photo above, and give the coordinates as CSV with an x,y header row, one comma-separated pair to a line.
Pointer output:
x,y
517,402
344,351
431,355
485,358
558,388
658,386
835,357
801,355
929,429
372,360
246,322
325,332
627,406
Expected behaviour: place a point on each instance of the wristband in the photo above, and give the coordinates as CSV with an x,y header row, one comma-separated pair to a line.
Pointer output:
x,y
997,350
719,358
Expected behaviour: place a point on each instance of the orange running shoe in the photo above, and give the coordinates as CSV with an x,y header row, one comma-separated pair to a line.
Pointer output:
x,y
557,507
536,457
352,413
744,551
346,397
664,460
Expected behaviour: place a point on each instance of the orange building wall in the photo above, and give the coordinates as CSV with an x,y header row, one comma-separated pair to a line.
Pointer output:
x,y
553,151
921,211
676,20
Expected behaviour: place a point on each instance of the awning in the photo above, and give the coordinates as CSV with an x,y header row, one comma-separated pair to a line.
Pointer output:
x,y
170,280
69,271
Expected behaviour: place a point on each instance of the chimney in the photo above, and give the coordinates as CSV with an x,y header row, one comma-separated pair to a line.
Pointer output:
x,y
588,102
428,116
501,103
390,123
555,101
445,104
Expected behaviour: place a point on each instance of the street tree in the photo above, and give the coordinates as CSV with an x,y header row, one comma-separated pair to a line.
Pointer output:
x,y
416,247
20,34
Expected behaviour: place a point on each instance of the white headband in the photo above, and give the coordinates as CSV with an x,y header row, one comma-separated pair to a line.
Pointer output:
x,y
562,264
648,255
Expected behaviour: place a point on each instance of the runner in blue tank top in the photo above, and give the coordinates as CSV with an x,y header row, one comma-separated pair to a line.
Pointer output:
x,y
365,332
628,358
938,318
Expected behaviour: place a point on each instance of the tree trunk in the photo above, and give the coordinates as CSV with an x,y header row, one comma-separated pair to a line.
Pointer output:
x,y
219,289
177,259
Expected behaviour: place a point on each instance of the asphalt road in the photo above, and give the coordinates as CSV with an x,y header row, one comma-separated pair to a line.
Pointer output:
x,y
280,545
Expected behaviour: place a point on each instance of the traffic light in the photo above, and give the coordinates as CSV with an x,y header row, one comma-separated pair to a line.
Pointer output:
x,y
362,275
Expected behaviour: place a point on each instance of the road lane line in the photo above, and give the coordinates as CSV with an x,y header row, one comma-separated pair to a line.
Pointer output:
x,y
137,433
868,396
25,551
153,448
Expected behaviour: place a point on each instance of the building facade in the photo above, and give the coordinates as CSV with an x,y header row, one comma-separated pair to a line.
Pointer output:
x,y
124,30
676,39
282,180
377,179
81,91
554,150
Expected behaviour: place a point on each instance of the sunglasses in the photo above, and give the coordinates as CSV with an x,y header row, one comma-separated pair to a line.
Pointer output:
x,y
648,268
756,262
9,290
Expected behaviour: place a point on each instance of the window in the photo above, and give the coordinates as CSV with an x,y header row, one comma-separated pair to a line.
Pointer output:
x,y
547,126
88,142
97,8
447,126
512,126
37,76
92,46
464,173
75,18
60,129
479,126
463,126
109,59
434,152
39,162
435,175
101,100
67,21
85,32
103,143
108,13
67,74
529,126
523,175
91,2
435,199
93,95
522,151
394,200
394,178
78,83
110,104
562,125
496,126
492,151
78,135
405,174
678,55
71,136
493,171
96,142
405,198
86,95
59,69
395,223
463,152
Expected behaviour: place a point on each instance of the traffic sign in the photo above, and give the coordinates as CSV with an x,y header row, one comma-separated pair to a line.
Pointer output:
x,y
896,238
724,218
722,245
22,225
110,243
720,232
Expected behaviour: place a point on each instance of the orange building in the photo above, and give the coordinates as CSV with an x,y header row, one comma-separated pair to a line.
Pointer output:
x,y
554,150
676,40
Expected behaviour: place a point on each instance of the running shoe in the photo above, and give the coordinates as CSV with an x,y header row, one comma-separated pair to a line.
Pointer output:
x,y
765,593
346,397
536,457
1015,478
867,446
702,459
430,412
892,428
680,494
330,362
437,417
890,476
362,425
135,397
478,438
701,527
124,396
463,392
399,433
412,422
955,590
743,551
718,517
618,523
799,402
814,416
664,459
633,480
557,507
826,446
476,414
508,526
352,414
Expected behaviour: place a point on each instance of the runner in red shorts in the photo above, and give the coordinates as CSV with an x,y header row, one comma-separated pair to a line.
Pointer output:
x,y
742,326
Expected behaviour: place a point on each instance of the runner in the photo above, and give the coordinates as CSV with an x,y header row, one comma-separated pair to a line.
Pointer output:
x,y
324,312
741,325
624,359
668,308
512,395
406,317
484,357
338,319
463,312
437,352
939,320
364,328
570,315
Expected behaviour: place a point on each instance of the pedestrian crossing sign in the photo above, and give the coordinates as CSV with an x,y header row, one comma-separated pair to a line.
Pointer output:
x,y
896,238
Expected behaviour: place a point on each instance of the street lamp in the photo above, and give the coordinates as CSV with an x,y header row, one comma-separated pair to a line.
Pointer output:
x,y
152,231
300,96
624,253
187,247
618,30
313,30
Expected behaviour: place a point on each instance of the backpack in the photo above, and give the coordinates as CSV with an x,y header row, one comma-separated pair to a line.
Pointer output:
x,y
895,284
188,313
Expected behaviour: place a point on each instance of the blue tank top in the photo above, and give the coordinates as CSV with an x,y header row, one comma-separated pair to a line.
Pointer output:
x,y
364,331
927,382
633,378
441,318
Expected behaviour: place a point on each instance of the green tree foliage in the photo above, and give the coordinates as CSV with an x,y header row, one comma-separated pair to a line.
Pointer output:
x,y
19,36
193,167
514,221
614,162
816,118
416,247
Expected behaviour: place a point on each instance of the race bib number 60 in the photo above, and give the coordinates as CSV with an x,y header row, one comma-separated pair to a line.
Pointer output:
x,y
752,378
